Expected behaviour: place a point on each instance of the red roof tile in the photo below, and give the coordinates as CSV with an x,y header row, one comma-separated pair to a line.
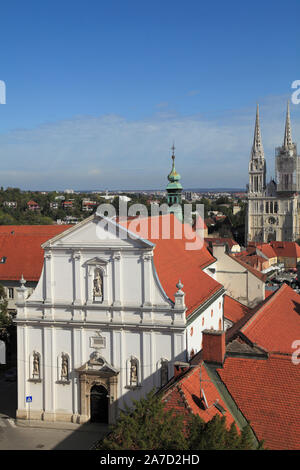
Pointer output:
x,y
234,310
21,246
230,242
267,393
276,324
254,271
267,250
186,390
286,249
174,262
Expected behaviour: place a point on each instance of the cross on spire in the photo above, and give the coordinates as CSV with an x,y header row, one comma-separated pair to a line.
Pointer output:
x,y
173,151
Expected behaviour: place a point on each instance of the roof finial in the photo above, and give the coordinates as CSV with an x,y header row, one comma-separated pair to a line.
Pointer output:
x,y
173,152
288,130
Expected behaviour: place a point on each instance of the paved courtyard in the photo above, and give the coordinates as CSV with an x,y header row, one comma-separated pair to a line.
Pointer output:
x,y
38,435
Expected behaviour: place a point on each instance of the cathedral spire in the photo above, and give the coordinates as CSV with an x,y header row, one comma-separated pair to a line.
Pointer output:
x,y
287,143
257,148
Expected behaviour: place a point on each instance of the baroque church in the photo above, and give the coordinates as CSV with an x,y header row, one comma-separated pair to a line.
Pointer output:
x,y
116,310
273,208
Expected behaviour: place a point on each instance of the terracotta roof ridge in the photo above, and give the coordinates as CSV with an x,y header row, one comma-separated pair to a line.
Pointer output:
x,y
267,302
183,397
250,268
232,298
281,355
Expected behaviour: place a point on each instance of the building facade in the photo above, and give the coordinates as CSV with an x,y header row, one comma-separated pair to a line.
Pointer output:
x,y
108,320
273,208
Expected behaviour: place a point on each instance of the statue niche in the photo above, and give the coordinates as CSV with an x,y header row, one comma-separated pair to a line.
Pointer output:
x,y
133,372
64,368
36,365
98,285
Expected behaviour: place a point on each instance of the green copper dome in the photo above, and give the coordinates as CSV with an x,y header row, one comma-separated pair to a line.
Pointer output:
x,y
174,177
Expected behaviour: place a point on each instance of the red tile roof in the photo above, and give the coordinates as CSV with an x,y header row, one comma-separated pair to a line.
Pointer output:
x,y
21,245
276,324
173,262
230,242
234,310
267,393
255,272
186,391
267,250
286,249
32,203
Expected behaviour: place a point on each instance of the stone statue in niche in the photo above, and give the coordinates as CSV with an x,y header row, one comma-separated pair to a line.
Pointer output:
x,y
64,367
164,372
36,365
98,284
133,373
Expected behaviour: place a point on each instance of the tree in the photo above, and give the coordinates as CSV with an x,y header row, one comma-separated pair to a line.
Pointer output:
x,y
6,323
214,435
148,426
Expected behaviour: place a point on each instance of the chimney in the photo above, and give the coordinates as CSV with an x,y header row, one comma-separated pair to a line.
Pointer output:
x,y
213,346
180,368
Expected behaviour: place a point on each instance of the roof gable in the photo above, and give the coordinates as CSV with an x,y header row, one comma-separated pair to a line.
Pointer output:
x,y
276,324
96,231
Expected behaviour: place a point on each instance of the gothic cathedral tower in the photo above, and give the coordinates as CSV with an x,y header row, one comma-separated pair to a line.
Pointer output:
x,y
272,213
257,164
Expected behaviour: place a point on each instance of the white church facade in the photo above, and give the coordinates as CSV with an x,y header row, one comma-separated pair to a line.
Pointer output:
x,y
112,314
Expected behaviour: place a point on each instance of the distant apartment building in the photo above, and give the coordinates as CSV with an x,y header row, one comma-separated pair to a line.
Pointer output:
x,y
67,204
88,205
54,205
10,204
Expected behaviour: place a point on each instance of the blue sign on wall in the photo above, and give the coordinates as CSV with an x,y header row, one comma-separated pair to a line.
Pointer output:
x,y
29,399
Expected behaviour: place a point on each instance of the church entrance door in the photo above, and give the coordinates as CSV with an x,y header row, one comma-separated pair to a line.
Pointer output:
x,y
99,404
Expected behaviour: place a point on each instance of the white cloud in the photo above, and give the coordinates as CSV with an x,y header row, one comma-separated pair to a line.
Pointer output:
x,y
110,151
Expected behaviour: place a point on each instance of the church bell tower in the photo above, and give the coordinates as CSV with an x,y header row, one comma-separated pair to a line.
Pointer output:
x,y
174,188
287,161
257,164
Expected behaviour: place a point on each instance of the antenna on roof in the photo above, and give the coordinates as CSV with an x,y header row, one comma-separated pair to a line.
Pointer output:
x,y
204,399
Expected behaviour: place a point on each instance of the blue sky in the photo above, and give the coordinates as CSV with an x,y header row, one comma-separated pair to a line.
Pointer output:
x,y
98,91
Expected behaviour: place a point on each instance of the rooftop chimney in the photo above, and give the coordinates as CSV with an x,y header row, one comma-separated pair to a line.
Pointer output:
x,y
180,367
213,346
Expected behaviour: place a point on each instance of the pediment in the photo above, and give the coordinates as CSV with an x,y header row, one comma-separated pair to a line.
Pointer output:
x,y
97,365
97,231
96,262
